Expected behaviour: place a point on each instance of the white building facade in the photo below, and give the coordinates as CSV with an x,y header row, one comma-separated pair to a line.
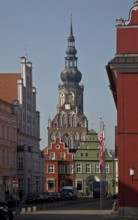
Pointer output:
x,y
29,156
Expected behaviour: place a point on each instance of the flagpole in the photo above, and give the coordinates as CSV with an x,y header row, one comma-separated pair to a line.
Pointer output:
x,y
102,164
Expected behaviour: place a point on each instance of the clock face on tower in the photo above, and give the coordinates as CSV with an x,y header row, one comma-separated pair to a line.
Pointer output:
x,y
67,106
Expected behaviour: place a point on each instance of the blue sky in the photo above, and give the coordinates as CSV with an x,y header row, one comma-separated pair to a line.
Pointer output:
x,y
41,28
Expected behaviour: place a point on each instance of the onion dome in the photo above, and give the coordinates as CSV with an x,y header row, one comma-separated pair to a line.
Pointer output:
x,y
71,74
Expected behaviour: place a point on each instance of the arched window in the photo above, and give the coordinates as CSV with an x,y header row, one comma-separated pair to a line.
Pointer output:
x,y
71,98
67,139
62,119
52,137
58,134
83,137
72,119
77,136
62,98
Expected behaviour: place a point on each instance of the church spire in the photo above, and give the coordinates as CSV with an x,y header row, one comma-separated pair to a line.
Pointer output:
x,y
71,74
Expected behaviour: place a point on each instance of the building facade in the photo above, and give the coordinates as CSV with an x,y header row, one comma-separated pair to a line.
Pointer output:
x,y
123,77
8,147
58,166
87,167
22,94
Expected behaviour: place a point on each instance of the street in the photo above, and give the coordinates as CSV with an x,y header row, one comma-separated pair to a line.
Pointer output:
x,y
80,211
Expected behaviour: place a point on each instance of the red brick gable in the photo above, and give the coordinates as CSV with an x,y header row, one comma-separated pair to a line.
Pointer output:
x,y
58,147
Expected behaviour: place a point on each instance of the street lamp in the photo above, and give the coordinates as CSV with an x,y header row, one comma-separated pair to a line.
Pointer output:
x,y
132,173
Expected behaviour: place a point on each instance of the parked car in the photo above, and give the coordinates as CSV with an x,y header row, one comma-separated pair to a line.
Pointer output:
x,y
54,196
72,190
65,196
10,200
44,197
2,203
6,213
32,198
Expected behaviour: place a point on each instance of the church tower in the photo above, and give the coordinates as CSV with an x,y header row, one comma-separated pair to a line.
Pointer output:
x,y
70,123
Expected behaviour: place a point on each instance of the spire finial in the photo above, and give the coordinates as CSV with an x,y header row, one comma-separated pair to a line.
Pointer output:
x,y
71,28
26,51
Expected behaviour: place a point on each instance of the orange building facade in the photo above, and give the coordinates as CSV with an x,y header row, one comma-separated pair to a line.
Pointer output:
x,y
58,167
123,76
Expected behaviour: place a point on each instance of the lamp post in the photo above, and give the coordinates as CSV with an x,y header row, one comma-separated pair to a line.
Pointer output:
x,y
132,173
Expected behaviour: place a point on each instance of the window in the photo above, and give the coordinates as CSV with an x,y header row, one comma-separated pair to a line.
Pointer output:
x,y
79,185
14,134
79,168
107,168
20,163
77,136
51,184
62,119
63,155
88,168
8,133
50,168
96,168
70,169
81,154
72,119
86,154
52,136
62,183
52,156
57,146
61,168
14,158
3,157
83,137
3,133
8,158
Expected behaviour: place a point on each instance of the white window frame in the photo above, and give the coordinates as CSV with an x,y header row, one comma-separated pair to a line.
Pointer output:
x,y
96,168
107,168
51,169
70,169
88,168
20,163
78,168
52,155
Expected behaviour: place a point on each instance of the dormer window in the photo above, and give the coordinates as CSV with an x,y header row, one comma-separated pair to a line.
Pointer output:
x,y
52,155
63,155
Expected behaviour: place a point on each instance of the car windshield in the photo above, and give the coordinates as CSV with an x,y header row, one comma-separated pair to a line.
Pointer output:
x,y
67,190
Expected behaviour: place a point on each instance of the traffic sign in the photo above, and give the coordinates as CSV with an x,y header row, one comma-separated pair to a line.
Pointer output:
x,y
14,181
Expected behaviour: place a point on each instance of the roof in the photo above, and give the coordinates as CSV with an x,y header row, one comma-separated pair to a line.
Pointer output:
x,y
8,86
122,63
